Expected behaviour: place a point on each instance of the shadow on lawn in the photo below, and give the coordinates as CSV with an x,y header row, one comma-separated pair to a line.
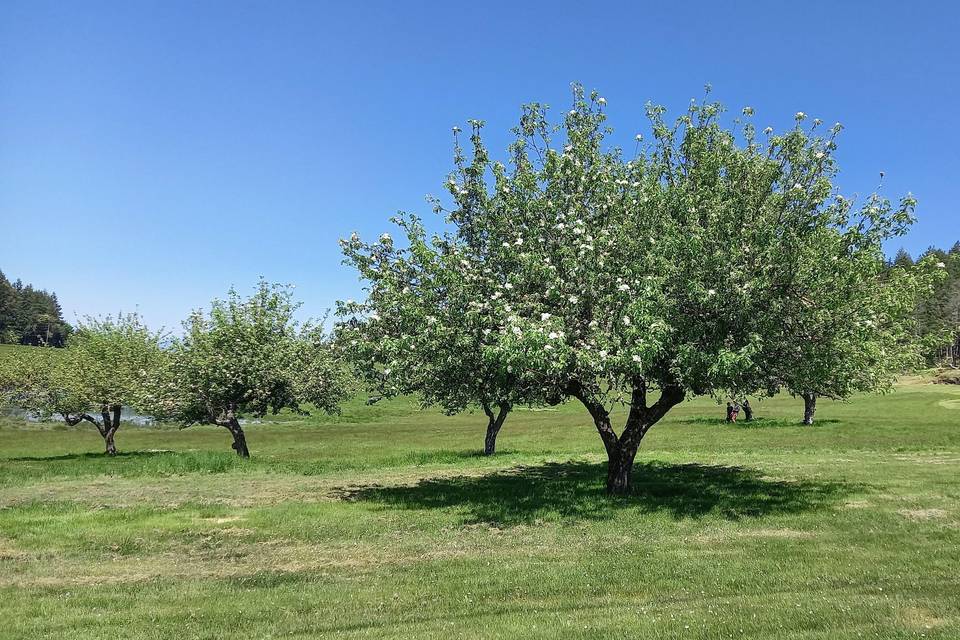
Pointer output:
x,y
574,491
89,456
758,423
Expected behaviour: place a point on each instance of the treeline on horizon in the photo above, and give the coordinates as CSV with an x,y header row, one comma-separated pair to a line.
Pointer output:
x,y
30,316
938,316
33,316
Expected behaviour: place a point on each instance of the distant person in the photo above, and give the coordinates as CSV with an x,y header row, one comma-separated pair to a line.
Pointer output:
x,y
736,411
747,410
729,412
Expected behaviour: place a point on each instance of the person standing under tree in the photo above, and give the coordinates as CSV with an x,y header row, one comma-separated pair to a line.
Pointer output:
x,y
729,412
747,410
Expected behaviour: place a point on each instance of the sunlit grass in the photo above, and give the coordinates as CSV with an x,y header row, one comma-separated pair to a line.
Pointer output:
x,y
386,522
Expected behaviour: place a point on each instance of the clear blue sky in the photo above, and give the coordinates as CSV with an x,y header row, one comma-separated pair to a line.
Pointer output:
x,y
154,153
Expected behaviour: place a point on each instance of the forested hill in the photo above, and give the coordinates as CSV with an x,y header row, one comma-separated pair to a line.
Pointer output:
x,y
30,316
940,313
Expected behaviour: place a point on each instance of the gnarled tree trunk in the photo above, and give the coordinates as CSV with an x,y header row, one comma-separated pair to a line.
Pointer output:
x,y
107,427
229,421
622,449
809,407
494,422
620,469
111,423
239,438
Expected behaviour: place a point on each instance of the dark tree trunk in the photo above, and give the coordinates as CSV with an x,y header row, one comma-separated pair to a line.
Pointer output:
x,y
111,445
809,407
494,422
239,438
490,440
622,449
111,423
620,469
106,427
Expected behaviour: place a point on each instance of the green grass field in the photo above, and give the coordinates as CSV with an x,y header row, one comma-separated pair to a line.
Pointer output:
x,y
385,523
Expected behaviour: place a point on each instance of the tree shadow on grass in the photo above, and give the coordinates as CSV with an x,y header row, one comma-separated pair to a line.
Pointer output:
x,y
89,456
758,423
575,491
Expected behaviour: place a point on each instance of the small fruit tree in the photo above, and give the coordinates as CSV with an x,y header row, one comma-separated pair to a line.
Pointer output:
x,y
248,356
106,366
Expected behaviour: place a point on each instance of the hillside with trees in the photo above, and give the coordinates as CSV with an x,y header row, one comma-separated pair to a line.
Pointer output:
x,y
30,316
938,315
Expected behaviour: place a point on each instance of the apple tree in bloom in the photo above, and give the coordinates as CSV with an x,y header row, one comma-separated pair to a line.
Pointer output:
x,y
850,324
106,366
426,327
646,279
248,357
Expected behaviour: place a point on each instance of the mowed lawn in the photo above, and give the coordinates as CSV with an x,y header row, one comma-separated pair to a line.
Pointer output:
x,y
386,523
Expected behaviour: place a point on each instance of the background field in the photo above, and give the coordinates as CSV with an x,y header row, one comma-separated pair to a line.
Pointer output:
x,y
386,523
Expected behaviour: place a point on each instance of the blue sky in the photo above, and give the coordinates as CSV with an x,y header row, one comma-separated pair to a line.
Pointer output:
x,y
154,153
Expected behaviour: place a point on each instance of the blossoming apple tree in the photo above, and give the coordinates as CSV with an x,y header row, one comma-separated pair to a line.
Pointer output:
x,y
105,367
426,327
248,357
851,324
673,272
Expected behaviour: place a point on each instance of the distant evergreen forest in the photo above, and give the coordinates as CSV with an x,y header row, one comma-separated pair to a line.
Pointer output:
x,y
30,316
938,318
